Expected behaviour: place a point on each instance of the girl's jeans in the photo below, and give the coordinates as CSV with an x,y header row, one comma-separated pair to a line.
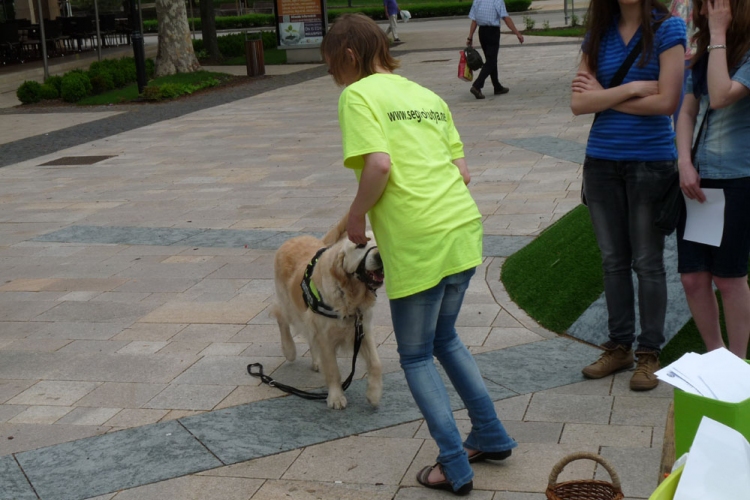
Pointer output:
x,y
424,324
622,199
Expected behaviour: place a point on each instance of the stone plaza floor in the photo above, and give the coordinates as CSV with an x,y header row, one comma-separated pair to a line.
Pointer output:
x,y
134,291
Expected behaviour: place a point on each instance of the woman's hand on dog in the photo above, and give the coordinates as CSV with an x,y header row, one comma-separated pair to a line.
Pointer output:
x,y
355,229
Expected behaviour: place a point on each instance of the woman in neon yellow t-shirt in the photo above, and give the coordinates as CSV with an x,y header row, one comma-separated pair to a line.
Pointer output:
x,y
400,140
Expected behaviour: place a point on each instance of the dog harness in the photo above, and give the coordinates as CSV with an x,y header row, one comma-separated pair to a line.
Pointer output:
x,y
310,292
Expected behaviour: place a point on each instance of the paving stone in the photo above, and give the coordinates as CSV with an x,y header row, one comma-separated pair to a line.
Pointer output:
x,y
32,436
638,469
212,312
422,493
14,483
120,395
54,393
607,435
629,410
403,431
95,312
309,490
225,370
7,412
150,332
208,333
100,463
537,366
139,347
500,338
35,345
11,388
78,330
40,415
195,488
546,407
89,416
534,432
135,418
94,346
356,460
190,397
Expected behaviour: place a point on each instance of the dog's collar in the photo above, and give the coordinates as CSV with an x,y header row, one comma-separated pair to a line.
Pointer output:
x,y
310,293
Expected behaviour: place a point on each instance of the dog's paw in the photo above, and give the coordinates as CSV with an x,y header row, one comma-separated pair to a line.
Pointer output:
x,y
374,392
336,401
315,367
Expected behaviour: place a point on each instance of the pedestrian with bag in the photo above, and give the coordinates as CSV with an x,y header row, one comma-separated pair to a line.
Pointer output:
x,y
487,14
717,105
630,76
391,13
399,139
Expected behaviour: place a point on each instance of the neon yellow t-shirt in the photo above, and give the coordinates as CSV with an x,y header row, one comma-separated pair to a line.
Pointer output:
x,y
426,223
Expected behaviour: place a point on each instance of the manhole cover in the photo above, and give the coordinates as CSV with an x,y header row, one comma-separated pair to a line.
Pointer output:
x,y
77,160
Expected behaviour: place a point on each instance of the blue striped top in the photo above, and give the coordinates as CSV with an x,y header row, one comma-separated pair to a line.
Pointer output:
x,y
621,136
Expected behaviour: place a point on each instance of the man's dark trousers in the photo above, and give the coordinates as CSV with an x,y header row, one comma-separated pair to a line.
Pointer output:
x,y
489,39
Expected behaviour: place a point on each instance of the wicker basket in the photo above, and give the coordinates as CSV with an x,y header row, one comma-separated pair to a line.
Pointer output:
x,y
584,489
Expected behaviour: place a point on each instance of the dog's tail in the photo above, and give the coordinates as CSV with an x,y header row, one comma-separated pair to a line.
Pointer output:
x,y
336,232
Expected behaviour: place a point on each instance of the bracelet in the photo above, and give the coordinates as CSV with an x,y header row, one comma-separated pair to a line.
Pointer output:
x,y
470,38
712,47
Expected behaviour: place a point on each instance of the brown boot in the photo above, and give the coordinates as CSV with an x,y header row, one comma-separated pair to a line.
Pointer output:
x,y
644,378
615,357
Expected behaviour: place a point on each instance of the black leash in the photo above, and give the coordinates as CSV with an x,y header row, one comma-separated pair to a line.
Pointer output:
x,y
359,333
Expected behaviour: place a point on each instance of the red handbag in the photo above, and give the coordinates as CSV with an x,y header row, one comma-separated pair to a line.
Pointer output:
x,y
464,73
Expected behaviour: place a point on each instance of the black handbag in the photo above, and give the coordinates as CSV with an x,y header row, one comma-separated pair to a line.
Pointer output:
x,y
473,59
670,206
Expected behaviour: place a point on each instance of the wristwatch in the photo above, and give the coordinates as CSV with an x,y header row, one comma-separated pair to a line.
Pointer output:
x,y
712,47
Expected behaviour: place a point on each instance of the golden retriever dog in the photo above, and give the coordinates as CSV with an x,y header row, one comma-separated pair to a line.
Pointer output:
x,y
346,278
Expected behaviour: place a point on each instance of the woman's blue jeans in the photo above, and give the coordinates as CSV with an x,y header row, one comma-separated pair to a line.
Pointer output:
x,y
622,198
424,324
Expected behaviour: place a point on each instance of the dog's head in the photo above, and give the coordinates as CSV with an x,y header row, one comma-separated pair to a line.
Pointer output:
x,y
364,262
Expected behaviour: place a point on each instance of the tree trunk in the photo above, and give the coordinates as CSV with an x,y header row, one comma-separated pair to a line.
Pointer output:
x,y
208,29
175,51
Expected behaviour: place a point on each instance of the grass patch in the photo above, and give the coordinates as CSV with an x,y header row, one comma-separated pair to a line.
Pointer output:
x,y
577,31
130,93
557,276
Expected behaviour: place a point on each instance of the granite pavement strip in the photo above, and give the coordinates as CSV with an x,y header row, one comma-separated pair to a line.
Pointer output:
x,y
122,364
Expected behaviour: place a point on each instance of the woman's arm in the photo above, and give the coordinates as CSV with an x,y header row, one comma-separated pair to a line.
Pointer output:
x,y
689,178
588,96
666,100
372,183
722,91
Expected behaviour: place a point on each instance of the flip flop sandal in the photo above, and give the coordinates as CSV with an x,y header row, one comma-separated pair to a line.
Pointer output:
x,y
489,455
445,485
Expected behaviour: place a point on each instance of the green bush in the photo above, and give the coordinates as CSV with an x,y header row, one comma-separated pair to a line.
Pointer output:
x,y
102,82
55,81
150,66
75,86
29,92
48,92
233,45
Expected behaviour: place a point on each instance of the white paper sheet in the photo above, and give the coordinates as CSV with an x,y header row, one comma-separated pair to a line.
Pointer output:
x,y
718,466
718,374
705,221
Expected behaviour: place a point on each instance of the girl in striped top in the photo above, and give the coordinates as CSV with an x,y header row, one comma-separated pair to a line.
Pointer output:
x,y
630,159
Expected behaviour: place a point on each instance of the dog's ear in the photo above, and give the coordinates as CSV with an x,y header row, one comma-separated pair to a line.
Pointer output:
x,y
336,232
337,270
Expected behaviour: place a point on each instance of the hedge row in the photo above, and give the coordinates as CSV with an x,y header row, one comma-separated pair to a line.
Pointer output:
x,y
233,45
73,86
417,11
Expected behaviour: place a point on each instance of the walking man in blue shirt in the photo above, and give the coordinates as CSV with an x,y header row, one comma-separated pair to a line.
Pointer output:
x,y
391,12
487,15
